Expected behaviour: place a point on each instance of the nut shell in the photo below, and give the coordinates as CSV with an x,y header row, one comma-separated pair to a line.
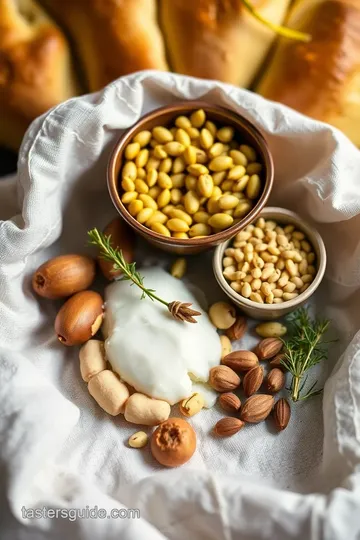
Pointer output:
x,y
256,408
241,360
238,329
173,443
268,348
64,276
223,379
229,402
281,414
122,237
275,380
79,318
226,427
253,380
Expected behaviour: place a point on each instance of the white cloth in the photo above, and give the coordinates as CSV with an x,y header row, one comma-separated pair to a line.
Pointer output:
x,y
59,450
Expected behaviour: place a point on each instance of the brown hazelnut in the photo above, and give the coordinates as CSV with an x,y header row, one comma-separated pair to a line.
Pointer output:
x,y
122,237
173,442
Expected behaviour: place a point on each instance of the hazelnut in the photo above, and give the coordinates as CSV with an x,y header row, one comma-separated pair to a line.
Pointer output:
x,y
173,442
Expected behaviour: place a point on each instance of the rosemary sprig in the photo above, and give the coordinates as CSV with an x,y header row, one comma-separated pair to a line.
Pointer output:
x,y
179,310
303,350
280,30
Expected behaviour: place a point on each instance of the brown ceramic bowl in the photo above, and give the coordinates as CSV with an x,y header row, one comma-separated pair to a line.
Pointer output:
x,y
164,116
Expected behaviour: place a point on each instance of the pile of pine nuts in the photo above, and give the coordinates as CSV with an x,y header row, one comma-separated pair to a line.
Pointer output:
x,y
190,180
269,263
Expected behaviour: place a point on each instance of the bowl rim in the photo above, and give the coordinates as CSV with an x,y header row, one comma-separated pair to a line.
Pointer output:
x,y
270,212
175,108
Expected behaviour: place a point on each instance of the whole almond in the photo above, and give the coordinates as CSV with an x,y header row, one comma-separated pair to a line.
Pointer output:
x,y
241,360
277,361
275,380
268,348
228,426
281,414
229,402
223,379
238,329
256,408
253,380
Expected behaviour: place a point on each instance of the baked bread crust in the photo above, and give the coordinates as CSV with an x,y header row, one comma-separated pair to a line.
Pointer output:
x,y
320,78
218,39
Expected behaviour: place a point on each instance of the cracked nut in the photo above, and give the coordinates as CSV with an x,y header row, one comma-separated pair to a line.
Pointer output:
x,y
253,380
138,440
222,315
192,405
268,348
229,402
281,414
223,379
173,442
256,408
275,380
238,329
271,329
226,427
241,360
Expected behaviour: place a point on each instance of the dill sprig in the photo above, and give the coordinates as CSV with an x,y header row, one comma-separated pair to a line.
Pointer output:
x,y
280,30
179,310
303,350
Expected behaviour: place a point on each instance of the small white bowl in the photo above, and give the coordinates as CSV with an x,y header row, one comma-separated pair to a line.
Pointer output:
x,y
274,311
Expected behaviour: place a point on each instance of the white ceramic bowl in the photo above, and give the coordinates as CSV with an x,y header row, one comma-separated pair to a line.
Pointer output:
x,y
274,311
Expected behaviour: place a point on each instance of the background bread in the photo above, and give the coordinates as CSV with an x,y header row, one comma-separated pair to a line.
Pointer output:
x,y
111,37
320,78
35,67
218,39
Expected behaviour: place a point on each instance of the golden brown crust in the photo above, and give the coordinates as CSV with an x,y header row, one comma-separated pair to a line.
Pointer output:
x,y
218,39
318,78
112,37
35,68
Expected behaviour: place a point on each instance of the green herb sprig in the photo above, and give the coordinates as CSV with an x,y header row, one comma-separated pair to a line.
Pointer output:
x,y
181,311
303,350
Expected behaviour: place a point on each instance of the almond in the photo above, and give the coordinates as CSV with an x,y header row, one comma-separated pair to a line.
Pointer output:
x,y
253,380
275,380
228,426
229,402
238,329
281,414
223,379
276,361
256,408
268,348
241,360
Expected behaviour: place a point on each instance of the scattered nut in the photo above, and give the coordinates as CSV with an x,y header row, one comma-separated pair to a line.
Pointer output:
x,y
271,329
222,315
223,379
277,361
173,443
229,402
256,408
108,391
192,405
178,269
226,347
138,439
253,380
281,413
141,409
226,427
241,360
275,380
238,329
268,348
92,359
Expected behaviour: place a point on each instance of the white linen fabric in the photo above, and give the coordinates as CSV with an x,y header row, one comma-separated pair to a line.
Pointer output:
x,y
58,449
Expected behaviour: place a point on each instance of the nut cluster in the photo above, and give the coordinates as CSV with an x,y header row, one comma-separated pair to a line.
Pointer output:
x,y
269,263
190,180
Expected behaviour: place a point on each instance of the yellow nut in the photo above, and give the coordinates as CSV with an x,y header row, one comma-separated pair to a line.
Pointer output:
x,y
182,122
198,118
191,202
143,138
226,346
181,235
205,185
176,196
193,132
248,152
206,139
225,134
190,155
238,157
242,209
162,135
253,187
192,405
222,315
177,225
141,173
227,202
182,137
144,215
178,268
142,159
135,207
211,127
220,163
201,217
199,229
220,221
138,440
129,196
213,205
197,169
159,152
127,184
164,181
216,150
129,170
154,192
190,182
180,214
174,148
164,198
141,186
153,163
132,150
253,168
236,172
178,180
148,201
151,177
160,229
157,217
179,165
165,165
